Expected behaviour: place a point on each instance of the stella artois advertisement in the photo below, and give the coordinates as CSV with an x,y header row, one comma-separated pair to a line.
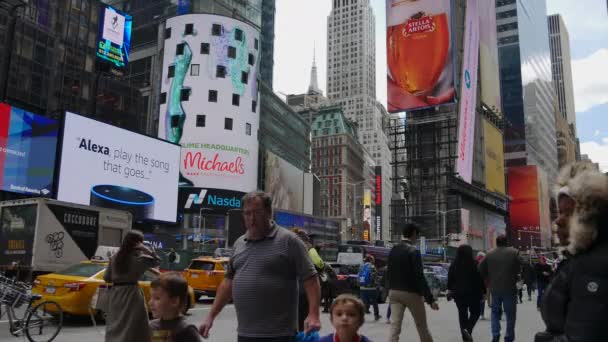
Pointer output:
x,y
419,54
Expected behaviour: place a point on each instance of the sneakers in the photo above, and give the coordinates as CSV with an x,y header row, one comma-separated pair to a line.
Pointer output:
x,y
388,321
377,318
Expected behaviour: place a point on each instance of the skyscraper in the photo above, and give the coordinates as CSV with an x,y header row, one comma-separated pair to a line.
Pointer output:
x,y
565,119
527,90
351,82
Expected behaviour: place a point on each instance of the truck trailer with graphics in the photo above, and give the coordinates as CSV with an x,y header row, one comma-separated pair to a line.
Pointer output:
x,y
42,235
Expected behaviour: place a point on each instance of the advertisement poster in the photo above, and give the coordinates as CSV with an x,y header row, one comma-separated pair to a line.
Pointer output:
x,y
28,144
494,158
529,206
80,224
114,36
468,94
420,56
378,193
192,200
107,166
210,100
285,183
17,234
488,55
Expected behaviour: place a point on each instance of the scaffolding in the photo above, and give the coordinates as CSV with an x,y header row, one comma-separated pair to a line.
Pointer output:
x,y
423,157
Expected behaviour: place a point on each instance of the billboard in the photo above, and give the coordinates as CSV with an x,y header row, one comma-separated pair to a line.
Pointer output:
x,y
192,200
468,93
114,36
378,193
420,56
111,167
285,183
28,144
488,55
209,100
494,158
529,206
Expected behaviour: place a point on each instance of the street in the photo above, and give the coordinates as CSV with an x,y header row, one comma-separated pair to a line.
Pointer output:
x,y
443,325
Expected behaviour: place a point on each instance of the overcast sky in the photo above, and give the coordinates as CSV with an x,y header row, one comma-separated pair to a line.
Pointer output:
x,y
301,26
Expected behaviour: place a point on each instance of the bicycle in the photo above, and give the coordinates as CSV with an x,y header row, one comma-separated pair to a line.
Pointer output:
x,y
40,323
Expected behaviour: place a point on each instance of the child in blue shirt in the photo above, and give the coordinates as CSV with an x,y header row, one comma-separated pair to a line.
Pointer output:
x,y
347,314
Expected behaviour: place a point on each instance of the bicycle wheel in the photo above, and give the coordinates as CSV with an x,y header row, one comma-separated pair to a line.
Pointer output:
x,y
43,322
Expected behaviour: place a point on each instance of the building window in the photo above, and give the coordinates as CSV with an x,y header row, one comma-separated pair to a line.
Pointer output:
x,y
238,35
163,98
184,95
189,29
231,52
236,99
167,33
254,106
212,96
195,69
251,59
228,124
216,30
244,77
220,71
179,50
255,43
248,128
171,72
204,48
175,121
200,120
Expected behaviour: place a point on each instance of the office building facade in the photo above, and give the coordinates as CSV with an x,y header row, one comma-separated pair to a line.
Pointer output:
x,y
561,70
527,90
351,83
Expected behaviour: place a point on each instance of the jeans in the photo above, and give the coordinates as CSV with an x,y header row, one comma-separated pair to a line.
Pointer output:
x,y
370,297
508,303
302,311
468,312
541,290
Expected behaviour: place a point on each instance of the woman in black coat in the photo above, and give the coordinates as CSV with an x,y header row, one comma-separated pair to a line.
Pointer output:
x,y
466,286
575,305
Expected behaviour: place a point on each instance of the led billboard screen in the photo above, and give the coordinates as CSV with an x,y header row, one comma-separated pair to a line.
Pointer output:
x,y
210,100
285,183
114,36
494,158
28,144
419,53
108,166
468,93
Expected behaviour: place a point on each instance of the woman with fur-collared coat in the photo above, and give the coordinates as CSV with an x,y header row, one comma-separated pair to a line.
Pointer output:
x,y
575,305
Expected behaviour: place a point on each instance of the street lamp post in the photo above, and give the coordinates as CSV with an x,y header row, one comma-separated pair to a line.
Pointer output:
x,y
444,223
201,220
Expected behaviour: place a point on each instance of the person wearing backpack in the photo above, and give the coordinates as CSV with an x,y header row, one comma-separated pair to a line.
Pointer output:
x,y
368,285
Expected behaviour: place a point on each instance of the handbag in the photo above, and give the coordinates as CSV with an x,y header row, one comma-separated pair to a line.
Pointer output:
x,y
100,300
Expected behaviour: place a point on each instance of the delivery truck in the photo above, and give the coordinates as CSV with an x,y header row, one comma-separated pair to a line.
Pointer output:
x,y
40,235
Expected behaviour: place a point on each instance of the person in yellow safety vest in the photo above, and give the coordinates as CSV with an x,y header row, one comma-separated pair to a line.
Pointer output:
x,y
314,256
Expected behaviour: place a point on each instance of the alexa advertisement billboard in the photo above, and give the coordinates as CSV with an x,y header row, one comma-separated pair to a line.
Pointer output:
x,y
209,101
419,53
114,36
107,166
28,144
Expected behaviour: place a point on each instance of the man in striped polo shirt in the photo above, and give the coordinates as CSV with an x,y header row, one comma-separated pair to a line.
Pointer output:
x,y
262,279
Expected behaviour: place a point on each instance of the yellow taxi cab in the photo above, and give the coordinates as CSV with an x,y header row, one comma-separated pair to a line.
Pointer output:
x,y
205,274
74,287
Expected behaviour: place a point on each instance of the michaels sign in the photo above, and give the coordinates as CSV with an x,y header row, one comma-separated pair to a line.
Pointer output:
x,y
191,199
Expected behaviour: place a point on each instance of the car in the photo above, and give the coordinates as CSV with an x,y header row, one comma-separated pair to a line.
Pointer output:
x,y
204,274
74,287
441,274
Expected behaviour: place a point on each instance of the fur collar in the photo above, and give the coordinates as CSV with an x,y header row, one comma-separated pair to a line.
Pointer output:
x,y
589,188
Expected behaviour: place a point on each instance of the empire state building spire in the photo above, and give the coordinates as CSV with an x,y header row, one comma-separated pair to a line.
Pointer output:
x,y
313,88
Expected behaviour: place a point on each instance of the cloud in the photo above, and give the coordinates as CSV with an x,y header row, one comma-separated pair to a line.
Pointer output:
x,y
590,81
597,152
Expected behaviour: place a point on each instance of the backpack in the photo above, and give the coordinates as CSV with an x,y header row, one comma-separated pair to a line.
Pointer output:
x,y
365,275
